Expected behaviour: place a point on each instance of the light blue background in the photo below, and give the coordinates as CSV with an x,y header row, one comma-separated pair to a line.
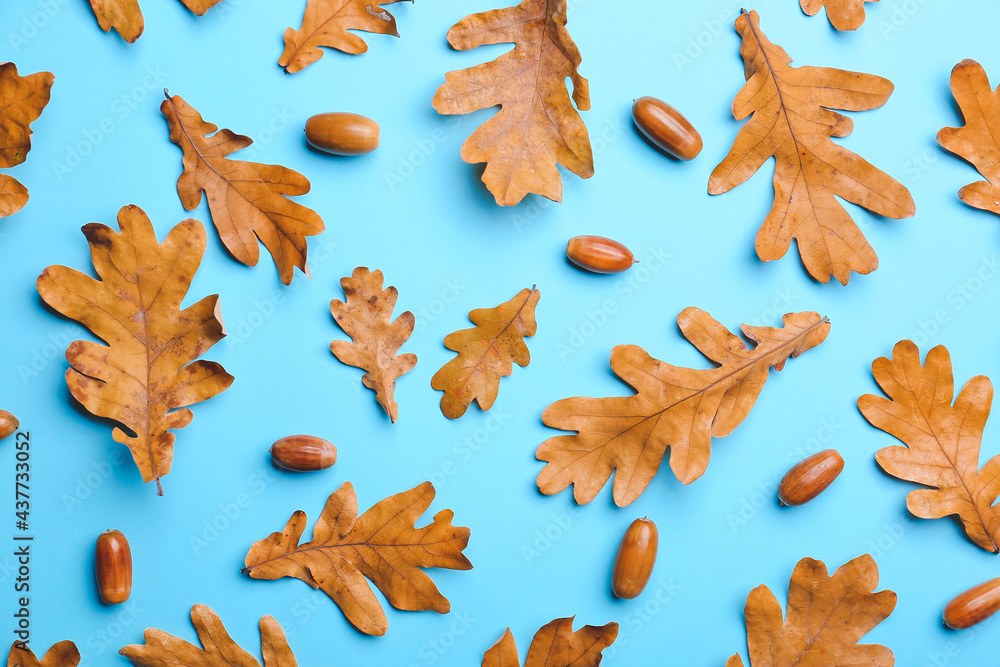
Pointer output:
x,y
440,238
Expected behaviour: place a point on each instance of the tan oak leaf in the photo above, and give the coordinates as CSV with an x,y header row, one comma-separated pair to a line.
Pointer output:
x,y
63,654
827,617
22,99
248,201
382,545
942,441
146,374
327,22
791,119
219,649
375,338
978,141
675,407
555,645
843,14
486,353
537,126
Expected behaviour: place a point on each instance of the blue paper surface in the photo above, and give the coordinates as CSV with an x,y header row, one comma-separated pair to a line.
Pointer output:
x,y
414,210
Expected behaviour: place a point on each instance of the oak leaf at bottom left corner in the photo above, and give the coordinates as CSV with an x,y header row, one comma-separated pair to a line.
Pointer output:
x,y
147,373
163,649
63,654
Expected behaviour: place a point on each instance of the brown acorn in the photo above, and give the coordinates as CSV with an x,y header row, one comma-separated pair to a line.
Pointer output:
x,y
342,133
8,424
599,254
810,477
666,128
303,453
113,562
973,606
635,559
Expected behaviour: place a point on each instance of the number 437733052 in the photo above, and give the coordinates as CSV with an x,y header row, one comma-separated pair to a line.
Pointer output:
x,y
22,479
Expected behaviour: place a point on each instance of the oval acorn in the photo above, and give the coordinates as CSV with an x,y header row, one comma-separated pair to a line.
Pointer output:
x,y
113,562
8,424
810,477
599,254
303,453
666,128
973,606
635,559
342,133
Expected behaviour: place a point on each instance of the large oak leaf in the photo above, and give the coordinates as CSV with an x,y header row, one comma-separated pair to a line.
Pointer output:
x,y
382,545
22,99
942,440
486,353
375,338
165,650
555,645
537,126
791,119
978,141
326,23
248,201
675,407
827,617
147,369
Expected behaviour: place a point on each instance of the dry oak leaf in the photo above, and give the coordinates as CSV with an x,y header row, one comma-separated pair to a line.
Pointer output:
x,y
383,544
125,16
680,408
248,201
942,440
978,141
486,353
792,121
22,99
537,126
827,617
163,650
555,645
376,339
843,14
326,23
63,654
147,369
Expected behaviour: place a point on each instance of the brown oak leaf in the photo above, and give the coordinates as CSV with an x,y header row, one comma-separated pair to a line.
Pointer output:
x,y
827,617
125,16
978,141
147,369
555,645
326,23
791,119
63,654
675,407
162,649
486,353
248,201
843,14
22,99
383,545
537,126
942,440
376,339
